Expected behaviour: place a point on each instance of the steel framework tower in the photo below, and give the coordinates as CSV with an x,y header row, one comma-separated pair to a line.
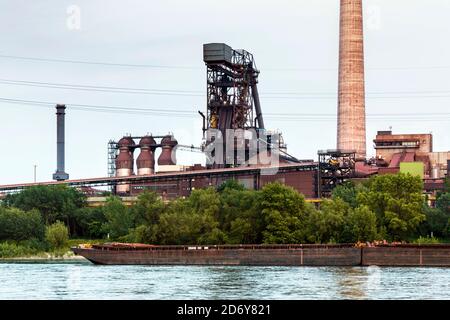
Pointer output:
x,y
335,168
232,93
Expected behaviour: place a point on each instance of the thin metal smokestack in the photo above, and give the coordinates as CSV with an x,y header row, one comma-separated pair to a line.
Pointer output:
x,y
60,174
351,108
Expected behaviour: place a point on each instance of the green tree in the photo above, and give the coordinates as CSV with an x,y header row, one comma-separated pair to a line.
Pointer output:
x,y
443,202
238,215
205,202
176,225
146,214
148,208
360,225
58,202
327,224
204,206
397,202
348,192
57,235
119,220
180,225
192,220
16,224
437,222
88,223
283,214
230,184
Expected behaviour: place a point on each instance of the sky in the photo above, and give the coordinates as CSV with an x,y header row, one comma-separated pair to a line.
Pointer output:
x,y
156,47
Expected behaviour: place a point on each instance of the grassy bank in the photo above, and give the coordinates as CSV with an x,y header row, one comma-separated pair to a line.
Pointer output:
x,y
39,250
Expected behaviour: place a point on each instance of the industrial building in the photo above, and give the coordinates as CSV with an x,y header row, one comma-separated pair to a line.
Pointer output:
x,y
233,105
394,149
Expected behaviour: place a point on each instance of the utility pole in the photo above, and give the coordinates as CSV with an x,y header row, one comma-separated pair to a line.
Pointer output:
x,y
35,173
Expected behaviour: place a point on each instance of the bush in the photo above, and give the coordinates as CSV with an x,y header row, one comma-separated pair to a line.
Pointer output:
x,y
57,235
34,244
427,240
16,224
12,250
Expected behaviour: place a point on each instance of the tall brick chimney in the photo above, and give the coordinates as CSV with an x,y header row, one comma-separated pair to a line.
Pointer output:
x,y
351,106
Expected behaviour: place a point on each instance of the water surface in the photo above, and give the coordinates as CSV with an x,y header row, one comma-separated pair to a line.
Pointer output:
x,y
83,280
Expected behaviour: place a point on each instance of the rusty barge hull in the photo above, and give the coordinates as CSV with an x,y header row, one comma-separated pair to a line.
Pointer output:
x,y
407,256
269,255
332,255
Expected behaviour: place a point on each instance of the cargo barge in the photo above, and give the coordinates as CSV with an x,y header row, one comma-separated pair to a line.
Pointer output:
x,y
267,255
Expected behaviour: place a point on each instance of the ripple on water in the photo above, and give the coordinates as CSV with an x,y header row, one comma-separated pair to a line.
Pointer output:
x,y
87,281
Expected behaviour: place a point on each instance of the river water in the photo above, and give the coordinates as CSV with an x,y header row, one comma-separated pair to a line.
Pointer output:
x,y
83,280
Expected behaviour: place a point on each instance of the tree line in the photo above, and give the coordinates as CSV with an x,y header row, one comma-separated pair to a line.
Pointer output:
x,y
390,207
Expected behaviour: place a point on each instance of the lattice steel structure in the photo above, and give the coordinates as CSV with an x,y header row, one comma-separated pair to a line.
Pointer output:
x,y
335,167
232,94
113,151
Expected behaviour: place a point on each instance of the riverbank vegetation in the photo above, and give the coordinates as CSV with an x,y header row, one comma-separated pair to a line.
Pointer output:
x,y
391,207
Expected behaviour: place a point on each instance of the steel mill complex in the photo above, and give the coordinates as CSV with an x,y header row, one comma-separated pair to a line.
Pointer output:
x,y
238,145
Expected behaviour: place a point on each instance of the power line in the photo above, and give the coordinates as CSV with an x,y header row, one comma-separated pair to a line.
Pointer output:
x,y
107,109
9,81
406,68
132,65
100,88
194,93
154,66
294,93
368,97
185,113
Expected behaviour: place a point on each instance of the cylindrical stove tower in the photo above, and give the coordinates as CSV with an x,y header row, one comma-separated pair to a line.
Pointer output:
x,y
125,162
168,153
146,160
351,109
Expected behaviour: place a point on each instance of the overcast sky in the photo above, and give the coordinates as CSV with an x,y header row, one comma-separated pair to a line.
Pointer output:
x,y
295,44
